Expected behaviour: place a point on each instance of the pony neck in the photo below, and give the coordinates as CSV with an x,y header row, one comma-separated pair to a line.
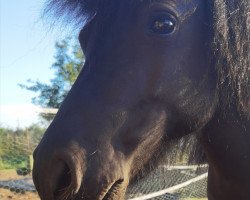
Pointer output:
x,y
226,142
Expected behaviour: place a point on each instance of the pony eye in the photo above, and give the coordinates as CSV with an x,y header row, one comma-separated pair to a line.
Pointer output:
x,y
163,24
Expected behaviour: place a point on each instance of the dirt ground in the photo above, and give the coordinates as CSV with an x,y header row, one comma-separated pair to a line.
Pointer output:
x,y
9,174
6,194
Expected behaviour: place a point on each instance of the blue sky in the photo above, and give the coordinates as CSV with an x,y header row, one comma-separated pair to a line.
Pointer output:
x,y
26,52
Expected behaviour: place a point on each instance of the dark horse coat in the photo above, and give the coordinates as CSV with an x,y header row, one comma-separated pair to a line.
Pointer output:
x,y
155,71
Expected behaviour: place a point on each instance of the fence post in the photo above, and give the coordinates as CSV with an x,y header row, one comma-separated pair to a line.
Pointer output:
x,y
30,163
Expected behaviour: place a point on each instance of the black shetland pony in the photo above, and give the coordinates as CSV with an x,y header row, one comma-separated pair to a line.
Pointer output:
x,y
155,72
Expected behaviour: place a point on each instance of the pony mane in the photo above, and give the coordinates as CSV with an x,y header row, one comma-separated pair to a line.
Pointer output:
x,y
230,47
70,11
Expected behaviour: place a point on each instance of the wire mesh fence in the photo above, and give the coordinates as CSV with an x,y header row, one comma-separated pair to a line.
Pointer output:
x,y
171,183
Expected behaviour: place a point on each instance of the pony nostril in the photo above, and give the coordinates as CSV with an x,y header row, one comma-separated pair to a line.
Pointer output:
x,y
114,189
65,175
63,179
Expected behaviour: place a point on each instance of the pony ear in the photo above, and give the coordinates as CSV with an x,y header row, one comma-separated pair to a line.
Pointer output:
x,y
71,10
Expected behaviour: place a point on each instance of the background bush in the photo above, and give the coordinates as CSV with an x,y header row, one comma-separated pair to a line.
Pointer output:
x,y
17,145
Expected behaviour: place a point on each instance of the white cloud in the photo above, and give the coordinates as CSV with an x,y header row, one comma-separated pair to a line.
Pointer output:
x,y
18,115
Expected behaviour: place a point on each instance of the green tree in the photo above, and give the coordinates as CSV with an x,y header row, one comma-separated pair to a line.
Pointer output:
x,y
69,60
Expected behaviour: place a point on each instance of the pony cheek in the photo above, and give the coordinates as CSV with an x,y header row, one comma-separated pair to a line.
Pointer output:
x,y
144,128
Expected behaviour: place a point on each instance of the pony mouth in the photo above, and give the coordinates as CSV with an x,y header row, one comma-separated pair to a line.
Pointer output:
x,y
116,190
